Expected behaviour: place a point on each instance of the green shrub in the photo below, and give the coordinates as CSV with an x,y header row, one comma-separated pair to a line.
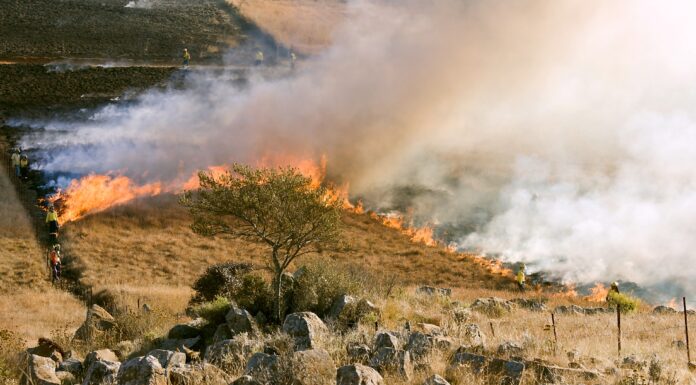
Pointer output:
x,y
319,284
222,279
625,302
254,295
214,311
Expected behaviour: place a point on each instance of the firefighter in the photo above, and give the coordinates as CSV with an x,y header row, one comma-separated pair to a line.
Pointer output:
x,y
293,59
54,259
24,166
521,277
187,57
15,158
614,288
259,58
52,220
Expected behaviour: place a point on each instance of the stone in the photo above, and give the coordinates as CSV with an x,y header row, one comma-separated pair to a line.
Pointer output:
x,y
358,353
442,343
48,348
183,331
73,366
549,374
313,367
142,371
664,310
168,359
429,290
390,360
358,375
386,340
633,362
40,371
510,349
197,374
182,345
233,352
473,338
240,321
97,321
222,333
124,349
430,329
263,367
461,315
246,380
435,380
67,378
419,345
510,371
339,305
530,304
572,309
101,373
305,328
491,306
99,355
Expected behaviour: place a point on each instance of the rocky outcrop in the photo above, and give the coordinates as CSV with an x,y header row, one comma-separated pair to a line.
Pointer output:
x,y
197,374
97,322
510,349
40,371
358,353
142,371
386,340
312,367
240,321
231,353
473,339
305,328
168,359
101,373
73,366
492,306
358,375
264,368
429,290
390,360
99,355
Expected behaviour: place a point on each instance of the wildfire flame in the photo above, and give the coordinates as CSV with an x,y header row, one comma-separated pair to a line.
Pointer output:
x,y
673,303
569,292
597,294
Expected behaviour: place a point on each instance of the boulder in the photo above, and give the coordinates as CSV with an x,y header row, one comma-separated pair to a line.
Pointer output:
x,y
358,375
358,353
229,353
305,328
419,345
572,309
48,348
429,290
67,378
664,310
340,306
492,306
435,380
183,331
222,333
97,321
430,329
473,338
263,367
442,343
510,349
168,359
101,373
182,345
99,355
461,315
510,371
240,321
73,366
535,305
313,367
124,349
40,371
246,380
141,371
390,360
197,374
386,340
549,374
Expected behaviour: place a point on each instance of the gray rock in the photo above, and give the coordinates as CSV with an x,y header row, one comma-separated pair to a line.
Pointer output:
x,y
510,349
73,366
229,353
305,328
99,355
664,310
358,375
389,360
429,290
40,371
435,380
240,321
263,367
167,358
530,304
141,371
386,340
510,371
197,374
633,362
97,321
443,343
246,380
419,345
101,373
341,304
222,333
313,367
183,331
474,339
67,378
547,373
492,306
572,309
358,353
430,329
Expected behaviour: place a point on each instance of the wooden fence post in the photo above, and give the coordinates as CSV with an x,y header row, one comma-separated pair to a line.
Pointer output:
x,y
492,330
555,335
686,331
618,323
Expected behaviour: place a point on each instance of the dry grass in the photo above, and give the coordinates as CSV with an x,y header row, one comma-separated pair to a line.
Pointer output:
x,y
29,305
305,25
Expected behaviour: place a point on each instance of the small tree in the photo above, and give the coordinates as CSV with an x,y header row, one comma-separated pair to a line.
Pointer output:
x,y
277,207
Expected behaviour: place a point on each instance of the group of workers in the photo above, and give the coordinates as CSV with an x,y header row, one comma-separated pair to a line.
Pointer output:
x,y
258,58
20,163
521,279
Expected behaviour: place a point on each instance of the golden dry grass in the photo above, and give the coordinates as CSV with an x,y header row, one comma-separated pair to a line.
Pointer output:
x,y
305,25
29,305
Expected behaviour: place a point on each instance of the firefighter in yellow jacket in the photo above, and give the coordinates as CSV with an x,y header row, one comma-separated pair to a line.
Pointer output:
x,y
521,277
52,220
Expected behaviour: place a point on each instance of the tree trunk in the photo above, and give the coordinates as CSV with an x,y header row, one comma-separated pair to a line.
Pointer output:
x,y
278,299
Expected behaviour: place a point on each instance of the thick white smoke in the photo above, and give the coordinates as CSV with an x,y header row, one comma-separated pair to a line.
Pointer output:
x,y
560,133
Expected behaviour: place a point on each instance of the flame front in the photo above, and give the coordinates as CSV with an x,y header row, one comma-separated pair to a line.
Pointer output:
x,y
598,293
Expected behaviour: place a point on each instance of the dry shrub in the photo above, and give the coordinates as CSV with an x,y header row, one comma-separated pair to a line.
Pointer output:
x,y
11,345
222,279
213,311
319,283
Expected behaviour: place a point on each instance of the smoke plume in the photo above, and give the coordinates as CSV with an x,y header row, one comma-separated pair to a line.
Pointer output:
x,y
559,133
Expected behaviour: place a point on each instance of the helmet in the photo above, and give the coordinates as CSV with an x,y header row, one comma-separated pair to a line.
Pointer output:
x,y
523,266
56,247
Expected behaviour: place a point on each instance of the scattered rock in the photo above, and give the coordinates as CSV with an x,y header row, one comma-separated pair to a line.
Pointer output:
x,y
510,349
442,343
435,380
40,371
530,304
633,362
141,371
99,355
97,321
168,359
358,353
511,371
73,366
246,380
664,310
305,328
572,309
228,353
222,333
419,345
474,339
124,349
550,374
598,310
183,331
429,290
240,321
313,367
340,304
198,374
67,378
263,367
386,340
102,373
358,375
430,329
48,348
390,360
492,306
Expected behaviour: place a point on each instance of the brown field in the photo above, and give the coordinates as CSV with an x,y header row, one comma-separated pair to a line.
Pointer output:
x,y
305,25
29,305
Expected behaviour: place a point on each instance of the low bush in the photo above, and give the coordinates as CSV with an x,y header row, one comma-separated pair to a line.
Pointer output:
x,y
213,311
254,295
11,345
220,280
626,303
318,284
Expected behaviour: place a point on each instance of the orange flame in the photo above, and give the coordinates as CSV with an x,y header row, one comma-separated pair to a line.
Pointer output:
x,y
569,292
493,266
673,303
597,294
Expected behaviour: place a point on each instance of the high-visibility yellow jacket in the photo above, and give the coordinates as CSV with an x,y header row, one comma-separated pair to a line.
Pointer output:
x,y
24,162
51,216
187,56
15,159
259,55
521,277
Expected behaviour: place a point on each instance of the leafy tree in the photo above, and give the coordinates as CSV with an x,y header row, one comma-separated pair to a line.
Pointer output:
x,y
276,207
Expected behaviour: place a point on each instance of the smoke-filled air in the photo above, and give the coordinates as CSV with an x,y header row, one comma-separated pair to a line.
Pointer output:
x,y
558,133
